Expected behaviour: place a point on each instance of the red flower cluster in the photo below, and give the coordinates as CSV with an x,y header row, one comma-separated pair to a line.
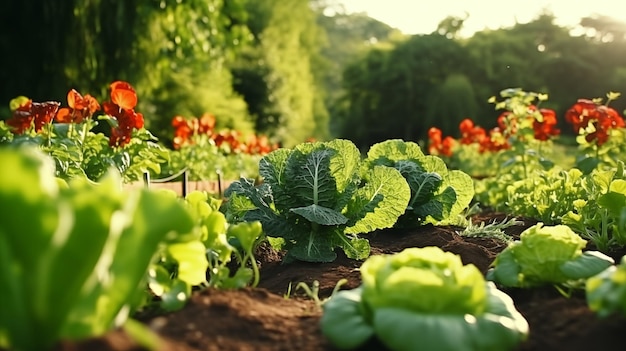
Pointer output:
x,y
184,129
121,106
79,108
546,129
231,140
493,141
32,114
585,113
470,133
437,145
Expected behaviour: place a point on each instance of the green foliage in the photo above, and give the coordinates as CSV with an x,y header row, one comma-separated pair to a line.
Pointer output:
x,y
397,85
606,291
546,195
174,52
204,161
189,93
315,199
73,257
453,101
79,151
547,255
348,36
184,262
598,213
456,309
284,95
438,195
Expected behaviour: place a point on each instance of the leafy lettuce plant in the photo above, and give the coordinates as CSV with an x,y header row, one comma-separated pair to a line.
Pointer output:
x,y
73,258
546,196
203,258
597,215
547,255
606,291
423,299
314,199
438,195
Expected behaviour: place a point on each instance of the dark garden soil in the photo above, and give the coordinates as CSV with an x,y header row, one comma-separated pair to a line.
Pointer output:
x,y
272,318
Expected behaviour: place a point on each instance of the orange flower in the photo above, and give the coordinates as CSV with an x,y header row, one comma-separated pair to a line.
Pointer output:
x,y
121,107
437,146
79,108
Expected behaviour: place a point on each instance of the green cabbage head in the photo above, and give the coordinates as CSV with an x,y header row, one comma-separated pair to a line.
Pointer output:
x,y
423,299
546,255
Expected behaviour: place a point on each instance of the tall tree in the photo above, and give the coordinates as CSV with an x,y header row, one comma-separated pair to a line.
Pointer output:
x,y
277,77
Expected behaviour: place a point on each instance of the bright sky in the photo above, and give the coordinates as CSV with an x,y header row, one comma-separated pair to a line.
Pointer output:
x,y
422,16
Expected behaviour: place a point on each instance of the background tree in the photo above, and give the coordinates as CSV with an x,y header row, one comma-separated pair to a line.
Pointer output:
x,y
390,91
453,100
277,75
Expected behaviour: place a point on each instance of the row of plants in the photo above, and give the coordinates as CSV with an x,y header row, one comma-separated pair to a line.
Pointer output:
x,y
320,196
517,170
208,153
81,146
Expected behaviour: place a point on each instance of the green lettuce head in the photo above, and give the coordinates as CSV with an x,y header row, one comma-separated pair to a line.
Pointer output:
x,y
439,278
546,255
423,298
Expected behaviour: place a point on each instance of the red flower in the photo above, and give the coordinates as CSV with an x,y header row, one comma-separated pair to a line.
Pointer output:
x,y
121,107
507,123
495,142
547,128
447,145
123,95
437,146
182,131
470,133
79,108
206,124
229,139
580,114
602,118
36,114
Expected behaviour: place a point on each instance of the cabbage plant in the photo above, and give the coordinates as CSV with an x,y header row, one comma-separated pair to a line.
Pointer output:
x,y
423,299
314,199
438,195
547,255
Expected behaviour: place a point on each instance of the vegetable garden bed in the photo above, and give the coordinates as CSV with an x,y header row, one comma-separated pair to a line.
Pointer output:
x,y
264,318
323,204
